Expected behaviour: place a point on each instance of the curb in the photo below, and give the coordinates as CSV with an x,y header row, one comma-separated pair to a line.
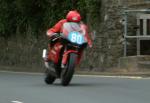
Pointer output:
x,y
143,74
93,75
133,74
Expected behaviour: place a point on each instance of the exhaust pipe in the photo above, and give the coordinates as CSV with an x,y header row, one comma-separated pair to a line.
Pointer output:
x,y
44,55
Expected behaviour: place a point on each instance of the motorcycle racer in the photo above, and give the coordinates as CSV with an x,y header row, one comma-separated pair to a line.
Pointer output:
x,y
68,38
72,16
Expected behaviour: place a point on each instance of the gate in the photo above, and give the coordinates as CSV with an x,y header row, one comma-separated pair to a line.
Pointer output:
x,y
142,28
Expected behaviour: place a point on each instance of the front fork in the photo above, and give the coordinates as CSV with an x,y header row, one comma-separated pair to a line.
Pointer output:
x,y
66,57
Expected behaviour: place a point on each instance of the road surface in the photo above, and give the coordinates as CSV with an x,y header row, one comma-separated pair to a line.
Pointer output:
x,y
30,88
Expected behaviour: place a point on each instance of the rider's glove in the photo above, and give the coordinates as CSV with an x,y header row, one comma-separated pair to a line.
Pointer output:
x,y
50,34
90,43
90,46
54,36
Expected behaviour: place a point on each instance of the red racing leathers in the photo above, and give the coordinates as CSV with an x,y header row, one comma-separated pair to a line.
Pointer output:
x,y
57,28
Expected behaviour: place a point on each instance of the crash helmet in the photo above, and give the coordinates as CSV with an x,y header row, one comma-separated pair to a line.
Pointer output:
x,y
73,16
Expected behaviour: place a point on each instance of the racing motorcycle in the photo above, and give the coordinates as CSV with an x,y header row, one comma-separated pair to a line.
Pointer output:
x,y
64,54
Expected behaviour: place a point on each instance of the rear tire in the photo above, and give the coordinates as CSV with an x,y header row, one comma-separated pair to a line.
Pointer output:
x,y
68,72
49,79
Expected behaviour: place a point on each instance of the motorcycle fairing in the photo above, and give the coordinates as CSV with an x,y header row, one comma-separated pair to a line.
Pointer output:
x,y
54,53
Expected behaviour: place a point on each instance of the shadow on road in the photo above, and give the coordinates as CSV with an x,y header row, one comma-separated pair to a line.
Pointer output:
x,y
84,84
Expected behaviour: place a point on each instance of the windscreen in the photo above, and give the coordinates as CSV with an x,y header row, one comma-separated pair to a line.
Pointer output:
x,y
70,27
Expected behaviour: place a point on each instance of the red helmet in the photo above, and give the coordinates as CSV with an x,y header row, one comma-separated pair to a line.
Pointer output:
x,y
73,16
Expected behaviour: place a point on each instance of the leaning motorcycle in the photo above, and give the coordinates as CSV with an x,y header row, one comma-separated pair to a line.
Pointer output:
x,y
65,53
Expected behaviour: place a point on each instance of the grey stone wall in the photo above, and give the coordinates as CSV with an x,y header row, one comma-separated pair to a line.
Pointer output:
x,y
108,46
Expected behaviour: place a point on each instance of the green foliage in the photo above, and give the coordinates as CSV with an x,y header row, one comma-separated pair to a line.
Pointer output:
x,y
6,20
22,16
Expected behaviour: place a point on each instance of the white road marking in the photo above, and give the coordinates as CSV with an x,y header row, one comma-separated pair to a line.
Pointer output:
x,y
105,76
96,76
16,102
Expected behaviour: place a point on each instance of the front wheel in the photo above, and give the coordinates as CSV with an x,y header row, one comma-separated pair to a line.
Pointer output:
x,y
67,73
49,79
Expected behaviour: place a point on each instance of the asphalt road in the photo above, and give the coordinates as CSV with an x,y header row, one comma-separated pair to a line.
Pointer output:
x,y
30,88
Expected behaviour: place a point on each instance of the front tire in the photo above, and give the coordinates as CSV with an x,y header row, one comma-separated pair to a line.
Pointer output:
x,y
49,79
68,72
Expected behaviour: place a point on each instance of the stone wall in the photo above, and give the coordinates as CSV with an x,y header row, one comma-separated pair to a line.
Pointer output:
x,y
133,2
108,46
109,35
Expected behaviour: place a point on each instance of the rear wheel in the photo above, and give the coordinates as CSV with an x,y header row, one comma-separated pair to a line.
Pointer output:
x,y
67,73
49,79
